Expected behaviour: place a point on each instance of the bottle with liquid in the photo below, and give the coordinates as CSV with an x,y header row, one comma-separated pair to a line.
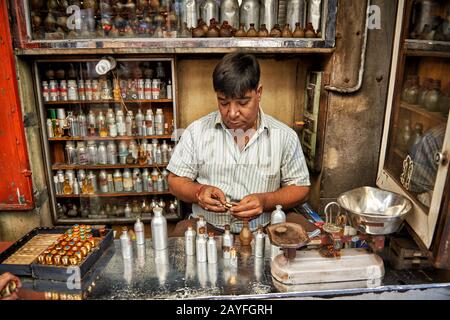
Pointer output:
x,y
92,153
82,153
103,181
260,242
120,122
82,122
165,178
159,230
432,98
127,180
102,153
145,175
129,123
245,236
67,188
140,123
123,152
111,152
149,125
71,153
118,181
227,238
127,210
155,179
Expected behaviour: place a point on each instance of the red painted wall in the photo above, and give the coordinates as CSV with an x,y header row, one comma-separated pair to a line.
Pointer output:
x,y
16,191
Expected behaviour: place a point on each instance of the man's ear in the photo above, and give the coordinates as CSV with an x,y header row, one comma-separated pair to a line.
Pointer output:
x,y
259,91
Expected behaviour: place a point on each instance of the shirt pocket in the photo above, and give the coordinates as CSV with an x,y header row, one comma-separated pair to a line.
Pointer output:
x,y
269,181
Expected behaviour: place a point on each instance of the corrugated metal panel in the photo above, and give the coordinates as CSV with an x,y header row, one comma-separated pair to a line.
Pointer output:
x,y
16,191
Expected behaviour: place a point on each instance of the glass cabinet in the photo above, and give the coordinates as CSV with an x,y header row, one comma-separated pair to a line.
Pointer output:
x,y
107,127
416,140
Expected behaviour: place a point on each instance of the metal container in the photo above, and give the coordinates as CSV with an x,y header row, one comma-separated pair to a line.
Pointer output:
x,y
189,239
268,13
103,181
209,9
282,12
278,216
249,13
211,248
149,125
139,230
159,122
314,13
127,180
375,211
139,118
72,121
156,89
260,243
118,181
190,12
296,12
201,245
165,152
125,243
229,11
123,152
159,230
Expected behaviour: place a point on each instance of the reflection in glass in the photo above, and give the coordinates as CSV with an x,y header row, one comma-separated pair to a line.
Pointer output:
x,y
190,267
259,268
202,273
141,255
212,274
162,265
128,270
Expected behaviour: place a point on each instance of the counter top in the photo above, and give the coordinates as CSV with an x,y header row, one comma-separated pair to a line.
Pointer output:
x,y
172,275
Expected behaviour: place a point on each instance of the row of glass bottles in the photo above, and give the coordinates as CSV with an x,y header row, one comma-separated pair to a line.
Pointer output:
x,y
122,152
143,208
129,181
406,139
109,125
428,95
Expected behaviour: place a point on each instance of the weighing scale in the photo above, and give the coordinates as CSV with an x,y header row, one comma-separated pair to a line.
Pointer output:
x,y
329,261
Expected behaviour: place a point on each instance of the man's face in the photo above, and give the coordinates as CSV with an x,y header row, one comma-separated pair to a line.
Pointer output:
x,y
240,113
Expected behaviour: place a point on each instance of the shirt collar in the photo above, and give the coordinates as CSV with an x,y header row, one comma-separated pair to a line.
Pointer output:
x,y
262,120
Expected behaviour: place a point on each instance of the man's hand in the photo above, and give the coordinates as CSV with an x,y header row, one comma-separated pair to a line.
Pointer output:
x,y
4,280
249,207
211,198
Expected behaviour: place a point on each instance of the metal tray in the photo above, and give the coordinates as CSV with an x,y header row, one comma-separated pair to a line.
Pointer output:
x,y
72,273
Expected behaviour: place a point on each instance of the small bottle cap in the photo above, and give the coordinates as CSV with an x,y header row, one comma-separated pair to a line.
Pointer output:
x,y
211,234
201,217
201,230
227,227
279,206
190,227
124,229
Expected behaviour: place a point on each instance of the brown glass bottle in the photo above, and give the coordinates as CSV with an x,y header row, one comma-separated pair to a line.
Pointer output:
x,y
275,32
241,31
309,31
286,33
263,32
213,31
298,32
199,32
252,31
225,30
245,236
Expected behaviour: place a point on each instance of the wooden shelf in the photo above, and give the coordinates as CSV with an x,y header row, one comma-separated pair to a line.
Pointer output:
x,y
112,220
426,48
52,103
113,195
434,116
63,166
166,136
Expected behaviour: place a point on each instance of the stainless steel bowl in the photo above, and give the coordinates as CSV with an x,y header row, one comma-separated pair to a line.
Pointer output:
x,y
375,211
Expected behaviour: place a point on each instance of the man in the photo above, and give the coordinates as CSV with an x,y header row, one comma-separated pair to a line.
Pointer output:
x,y
238,154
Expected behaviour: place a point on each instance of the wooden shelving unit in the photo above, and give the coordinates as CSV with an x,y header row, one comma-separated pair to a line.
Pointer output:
x,y
117,194
96,138
434,116
69,102
63,166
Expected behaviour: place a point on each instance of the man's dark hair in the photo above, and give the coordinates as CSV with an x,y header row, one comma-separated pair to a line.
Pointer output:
x,y
236,74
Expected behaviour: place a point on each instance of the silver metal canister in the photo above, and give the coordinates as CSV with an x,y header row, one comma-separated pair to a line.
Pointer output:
x,y
103,181
125,243
189,240
211,248
249,13
54,92
63,90
296,12
209,9
314,13
268,13
282,11
229,11
159,230
111,150
260,243
139,230
190,12
201,245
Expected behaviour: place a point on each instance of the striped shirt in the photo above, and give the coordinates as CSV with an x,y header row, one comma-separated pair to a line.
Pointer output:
x,y
208,154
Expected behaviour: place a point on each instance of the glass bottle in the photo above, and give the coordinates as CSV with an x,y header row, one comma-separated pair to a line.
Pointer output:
x,y
426,86
405,89
404,134
67,188
286,33
241,31
142,158
245,236
432,97
263,32
276,31
298,32
415,138
444,101
251,33
412,93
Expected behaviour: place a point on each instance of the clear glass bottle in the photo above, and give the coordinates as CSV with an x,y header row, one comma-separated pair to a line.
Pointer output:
x,y
432,97
415,138
444,101
412,93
